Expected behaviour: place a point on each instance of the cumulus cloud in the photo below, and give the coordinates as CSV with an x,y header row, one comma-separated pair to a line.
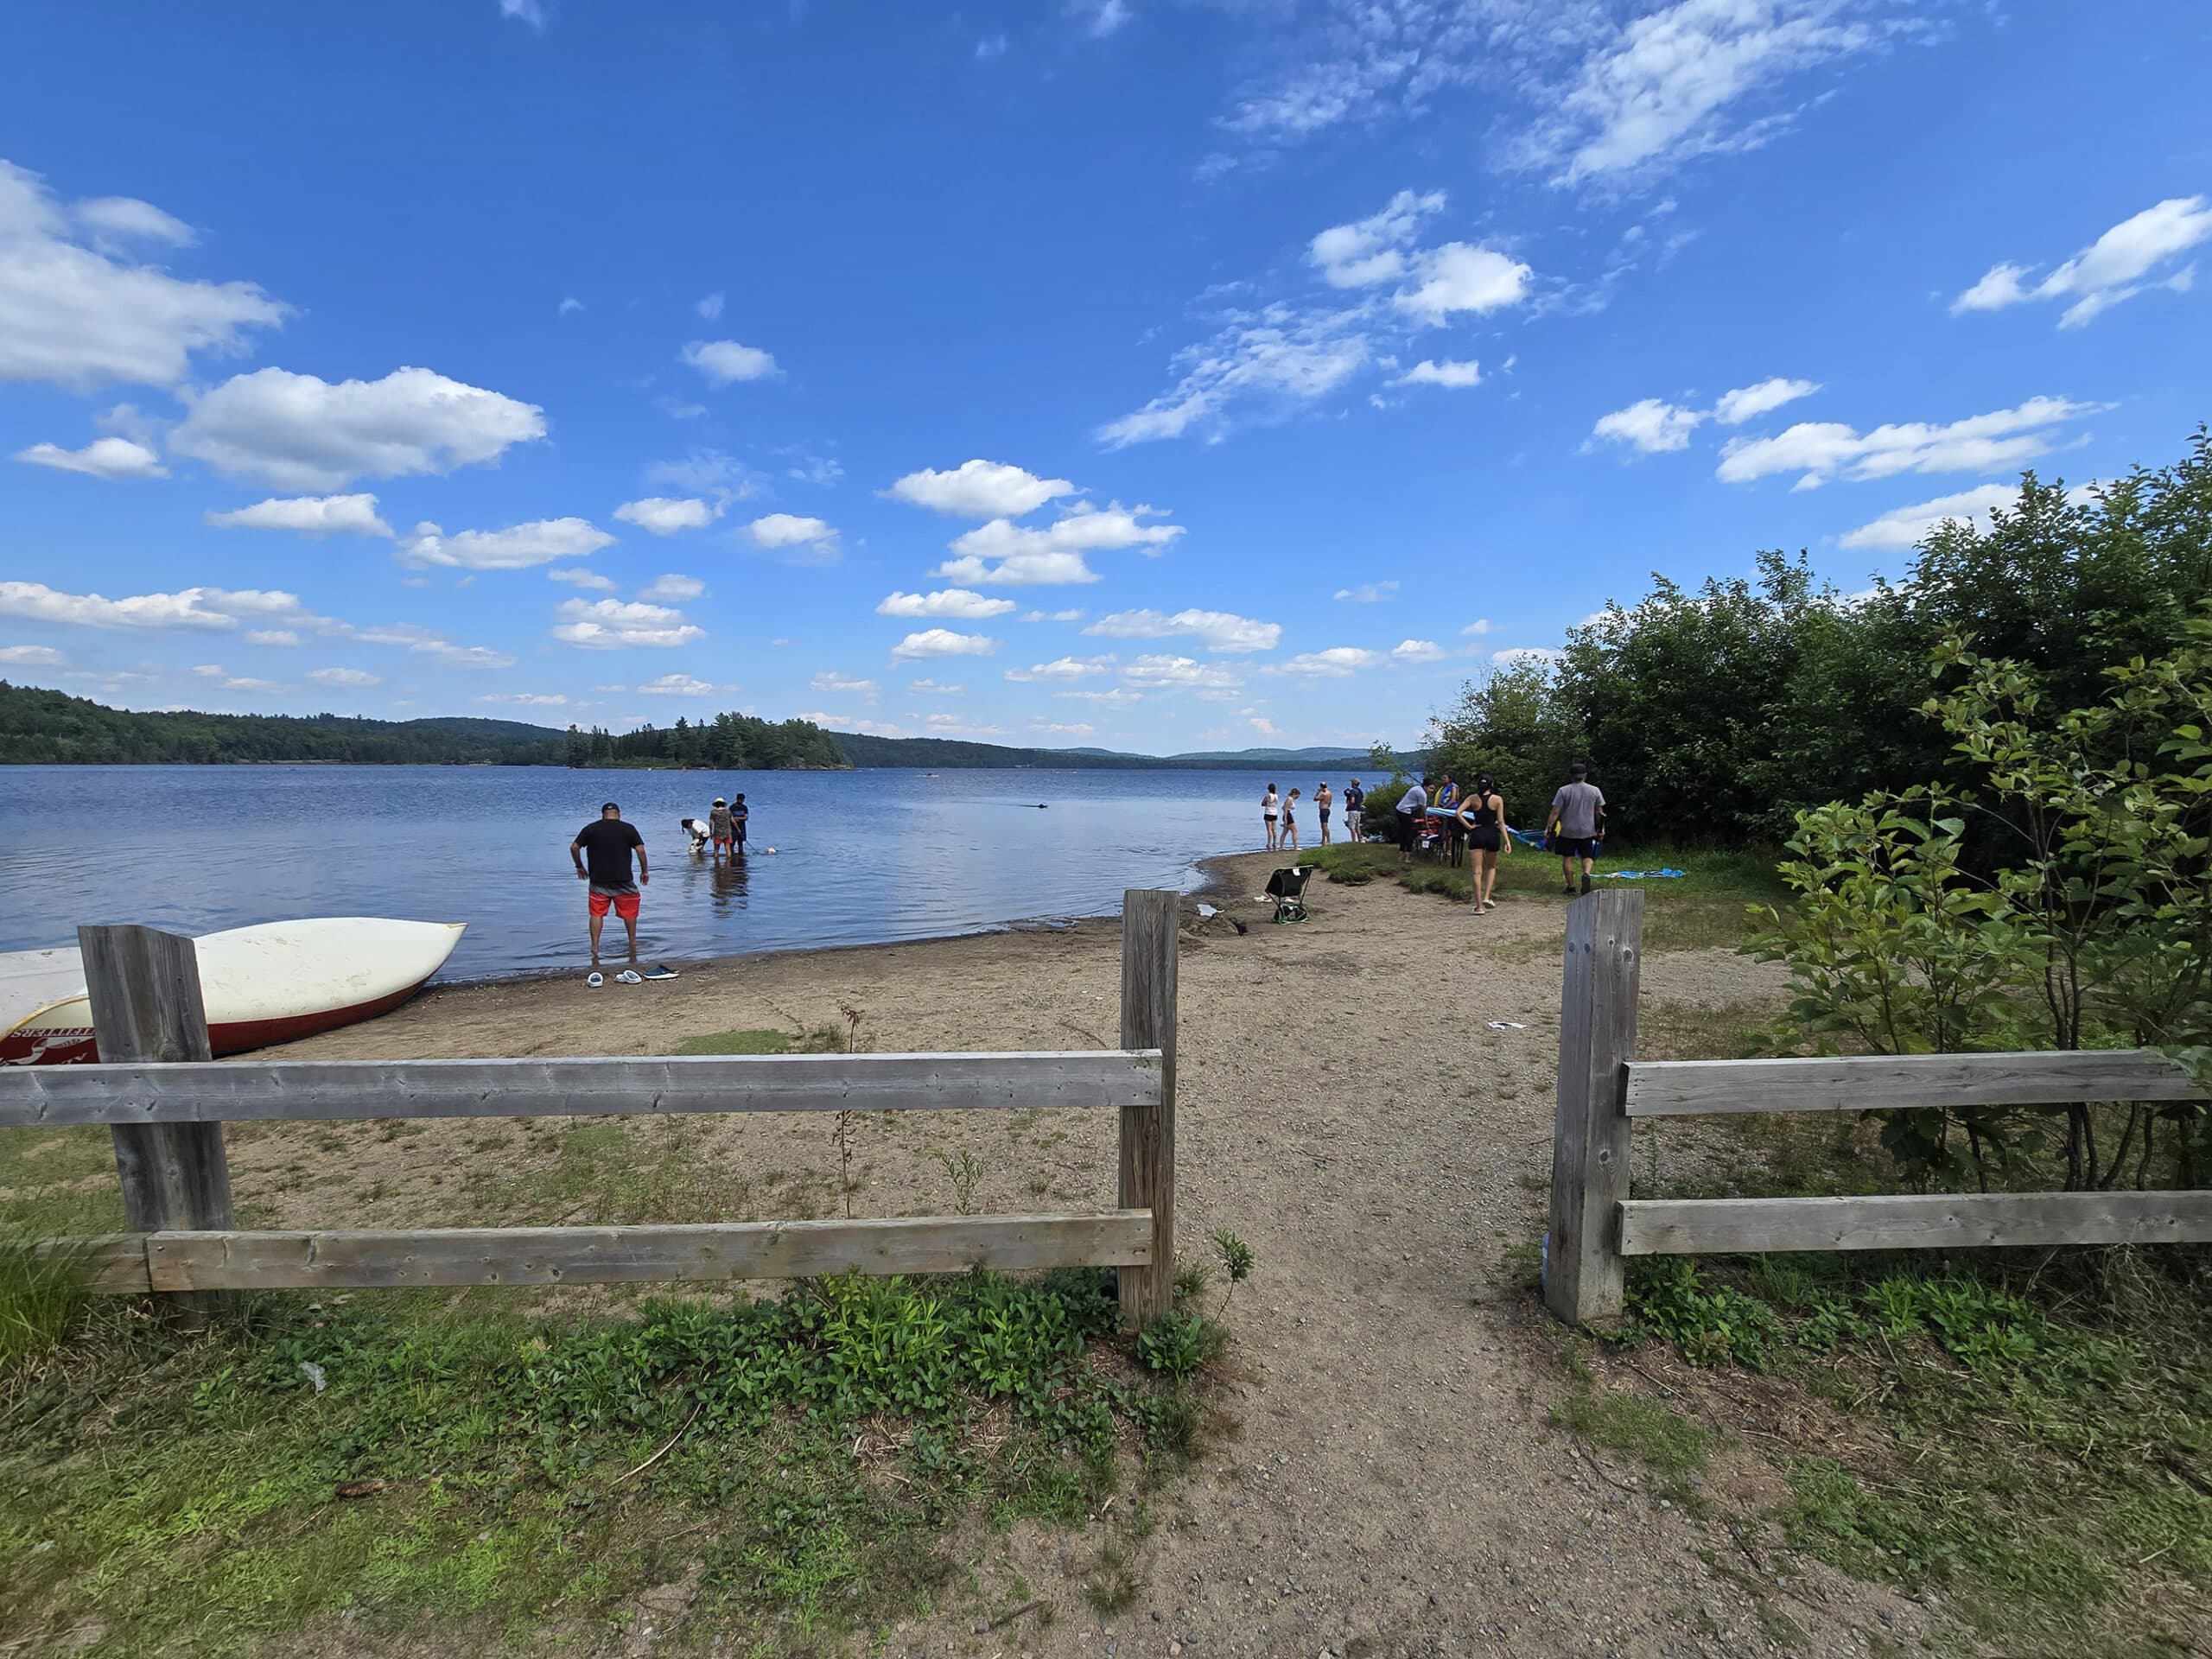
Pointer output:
x,y
664,515
1904,527
710,308
1463,277
518,547
2117,266
800,540
676,685
1749,402
1371,251
614,624
1456,376
942,642
576,576
525,699
429,642
979,489
343,677
1063,669
31,656
845,685
1222,631
1651,425
204,609
928,687
101,458
1476,629
1416,651
1335,662
723,361
1185,673
300,433
958,604
1021,570
1818,451
308,515
76,313
1368,592
672,588
1073,616
1082,527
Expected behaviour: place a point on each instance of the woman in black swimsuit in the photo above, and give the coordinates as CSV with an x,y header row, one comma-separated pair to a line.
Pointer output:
x,y
1483,814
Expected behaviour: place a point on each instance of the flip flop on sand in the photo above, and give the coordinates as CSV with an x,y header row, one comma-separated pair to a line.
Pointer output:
x,y
629,976
594,979
660,970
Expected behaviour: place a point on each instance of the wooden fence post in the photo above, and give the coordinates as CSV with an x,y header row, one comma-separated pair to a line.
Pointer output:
x,y
144,987
1590,1135
1149,920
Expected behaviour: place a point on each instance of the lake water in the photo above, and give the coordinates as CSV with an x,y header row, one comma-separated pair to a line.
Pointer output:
x,y
861,857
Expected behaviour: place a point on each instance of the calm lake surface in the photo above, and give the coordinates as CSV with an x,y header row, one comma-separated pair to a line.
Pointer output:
x,y
861,857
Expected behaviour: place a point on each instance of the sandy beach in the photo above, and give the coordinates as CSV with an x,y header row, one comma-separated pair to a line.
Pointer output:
x,y
1395,1482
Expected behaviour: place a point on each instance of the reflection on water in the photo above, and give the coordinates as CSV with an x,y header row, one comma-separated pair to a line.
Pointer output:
x,y
857,857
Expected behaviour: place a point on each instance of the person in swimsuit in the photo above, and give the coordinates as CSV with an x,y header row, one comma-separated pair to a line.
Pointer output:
x,y
1322,801
1483,815
1270,804
1290,822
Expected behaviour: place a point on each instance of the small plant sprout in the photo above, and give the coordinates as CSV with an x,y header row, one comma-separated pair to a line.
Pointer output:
x,y
964,1173
1235,1260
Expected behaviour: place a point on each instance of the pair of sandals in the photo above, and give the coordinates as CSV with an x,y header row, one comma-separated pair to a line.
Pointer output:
x,y
627,977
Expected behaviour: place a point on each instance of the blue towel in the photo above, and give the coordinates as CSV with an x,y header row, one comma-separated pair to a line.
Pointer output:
x,y
1635,875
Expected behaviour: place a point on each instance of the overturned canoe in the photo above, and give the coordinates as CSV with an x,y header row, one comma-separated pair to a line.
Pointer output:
x,y
268,983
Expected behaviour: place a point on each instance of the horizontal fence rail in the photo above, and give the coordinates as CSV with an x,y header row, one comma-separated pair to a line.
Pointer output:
x,y
606,1255
1934,1221
1867,1082
270,1090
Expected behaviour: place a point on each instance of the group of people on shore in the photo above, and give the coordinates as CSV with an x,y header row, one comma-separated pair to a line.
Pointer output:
x,y
1279,815
1575,826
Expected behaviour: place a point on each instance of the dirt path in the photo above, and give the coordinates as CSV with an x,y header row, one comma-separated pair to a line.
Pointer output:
x,y
1397,1486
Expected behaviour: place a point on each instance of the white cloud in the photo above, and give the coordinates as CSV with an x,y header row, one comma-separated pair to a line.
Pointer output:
x,y
1119,697
31,656
1100,18
1651,425
845,685
1074,729
1369,593
676,685
1416,651
612,624
710,308
1513,654
309,515
79,316
957,604
942,642
722,361
1063,669
207,610
1267,361
1749,402
673,586
1335,662
1980,443
533,13
110,458
577,577
928,687
802,541
979,489
525,699
1462,277
1180,672
428,642
300,433
665,515
570,306
1083,528
1222,631
1371,250
2117,266
1456,376
1022,570
1904,527
1476,629
518,547
349,677
1693,78
706,471
1053,616
272,637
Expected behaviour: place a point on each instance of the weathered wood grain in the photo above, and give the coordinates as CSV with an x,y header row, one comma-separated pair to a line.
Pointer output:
x,y
1590,1136
263,1090
1912,1222
1859,1083
1149,922
555,1256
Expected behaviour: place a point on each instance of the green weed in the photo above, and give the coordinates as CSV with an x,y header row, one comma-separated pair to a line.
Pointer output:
x,y
737,1042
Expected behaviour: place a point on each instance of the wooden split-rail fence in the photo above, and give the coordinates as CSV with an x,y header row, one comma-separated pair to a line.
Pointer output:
x,y
1604,1088
166,1101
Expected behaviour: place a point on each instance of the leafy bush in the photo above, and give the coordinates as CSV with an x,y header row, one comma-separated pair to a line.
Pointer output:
x,y
1180,1345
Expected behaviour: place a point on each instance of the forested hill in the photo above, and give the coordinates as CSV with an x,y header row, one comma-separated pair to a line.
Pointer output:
x,y
40,728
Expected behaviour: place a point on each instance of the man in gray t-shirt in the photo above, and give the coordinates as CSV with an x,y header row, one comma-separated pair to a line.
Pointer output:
x,y
1577,821
1413,805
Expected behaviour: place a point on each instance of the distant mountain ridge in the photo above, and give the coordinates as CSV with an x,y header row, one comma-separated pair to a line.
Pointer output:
x,y
868,752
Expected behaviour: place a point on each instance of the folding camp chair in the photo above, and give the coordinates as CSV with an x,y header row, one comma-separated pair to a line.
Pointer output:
x,y
1288,888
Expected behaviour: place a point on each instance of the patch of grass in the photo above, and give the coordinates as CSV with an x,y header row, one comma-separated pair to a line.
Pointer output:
x,y
1674,1446
43,1295
737,1042
473,1469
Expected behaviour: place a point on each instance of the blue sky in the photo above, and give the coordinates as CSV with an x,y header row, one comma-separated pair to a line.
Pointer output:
x,y
1151,373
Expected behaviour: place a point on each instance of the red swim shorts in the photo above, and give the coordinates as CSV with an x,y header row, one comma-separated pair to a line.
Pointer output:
x,y
625,905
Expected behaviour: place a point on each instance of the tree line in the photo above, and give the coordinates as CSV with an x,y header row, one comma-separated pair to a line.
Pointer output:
x,y
728,742
44,727
1715,715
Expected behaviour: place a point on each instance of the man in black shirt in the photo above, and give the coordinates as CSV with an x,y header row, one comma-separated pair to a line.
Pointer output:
x,y
608,843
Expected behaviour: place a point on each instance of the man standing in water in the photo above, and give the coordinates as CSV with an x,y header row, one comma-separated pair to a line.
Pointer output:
x,y
608,843
1578,819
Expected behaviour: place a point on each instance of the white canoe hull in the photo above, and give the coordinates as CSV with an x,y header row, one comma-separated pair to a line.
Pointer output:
x,y
269,983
